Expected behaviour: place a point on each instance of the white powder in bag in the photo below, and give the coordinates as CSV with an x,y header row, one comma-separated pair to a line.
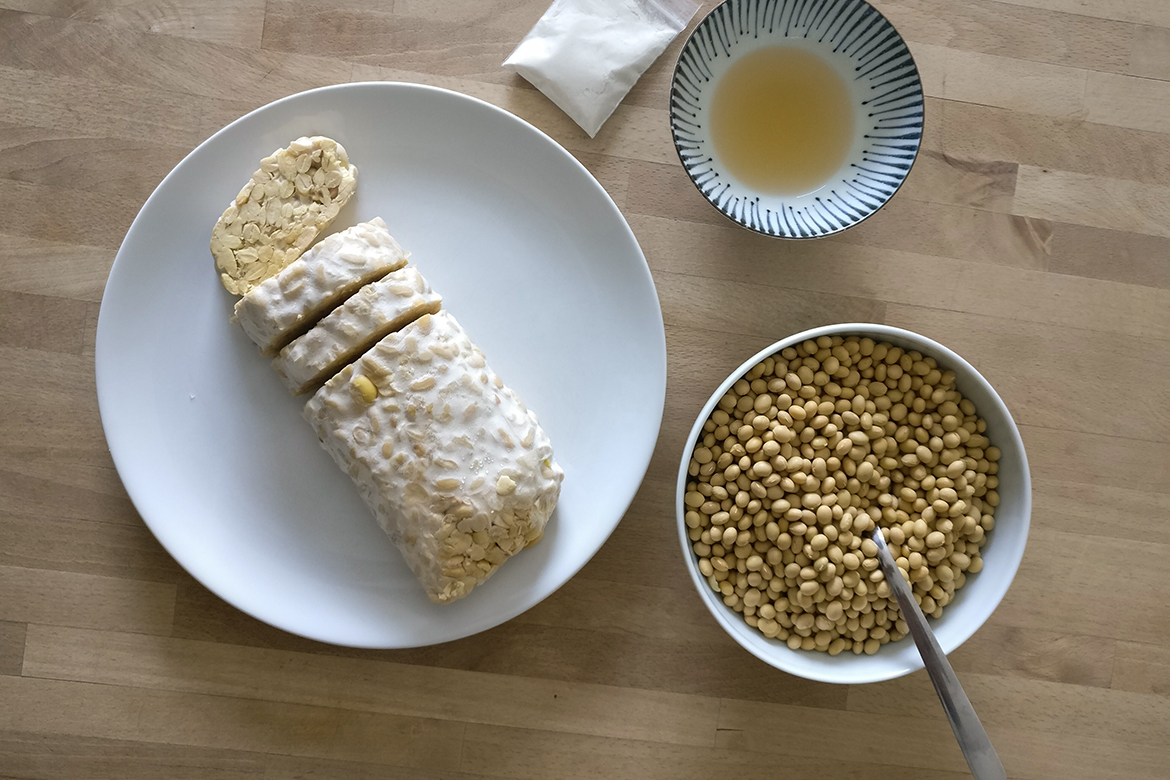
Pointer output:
x,y
586,54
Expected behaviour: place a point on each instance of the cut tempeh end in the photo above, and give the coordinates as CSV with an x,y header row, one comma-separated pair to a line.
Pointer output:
x,y
293,197
379,308
455,467
282,308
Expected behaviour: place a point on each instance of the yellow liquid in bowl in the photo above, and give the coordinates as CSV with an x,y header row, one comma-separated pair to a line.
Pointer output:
x,y
782,120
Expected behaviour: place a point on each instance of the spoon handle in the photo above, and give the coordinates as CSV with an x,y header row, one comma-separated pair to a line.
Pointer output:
x,y
973,741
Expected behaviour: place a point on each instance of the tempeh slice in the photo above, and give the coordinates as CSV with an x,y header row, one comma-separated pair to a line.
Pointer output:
x,y
379,308
293,197
282,308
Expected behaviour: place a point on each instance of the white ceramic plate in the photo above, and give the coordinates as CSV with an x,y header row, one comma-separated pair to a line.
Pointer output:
x,y
530,254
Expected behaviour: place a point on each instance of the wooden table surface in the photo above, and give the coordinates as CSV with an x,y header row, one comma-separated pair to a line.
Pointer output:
x,y
1033,237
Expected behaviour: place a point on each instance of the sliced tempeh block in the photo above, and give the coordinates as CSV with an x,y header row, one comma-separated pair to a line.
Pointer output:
x,y
282,308
293,197
455,467
379,308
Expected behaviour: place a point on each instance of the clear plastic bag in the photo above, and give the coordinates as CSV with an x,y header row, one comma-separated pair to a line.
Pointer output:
x,y
585,55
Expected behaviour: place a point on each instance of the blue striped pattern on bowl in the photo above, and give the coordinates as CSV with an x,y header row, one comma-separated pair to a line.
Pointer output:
x,y
859,42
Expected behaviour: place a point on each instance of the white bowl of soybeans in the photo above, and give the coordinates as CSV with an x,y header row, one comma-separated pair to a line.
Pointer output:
x,y
810,445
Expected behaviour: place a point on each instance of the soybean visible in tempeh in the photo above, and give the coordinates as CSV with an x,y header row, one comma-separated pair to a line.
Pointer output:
x,y
454,466
282,308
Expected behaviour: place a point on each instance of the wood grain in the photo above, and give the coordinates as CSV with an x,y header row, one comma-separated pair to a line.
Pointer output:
x,y
70,271
70,599
1097,201
991,27
120,550
236,22
199,720
1149,52
533,755
1142,668
1140,11
1006,651
1109,99
1004,82
60,322
401,689
11,647
1032,237
44,756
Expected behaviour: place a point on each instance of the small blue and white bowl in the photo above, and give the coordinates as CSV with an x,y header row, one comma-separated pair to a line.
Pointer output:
x,y
873,60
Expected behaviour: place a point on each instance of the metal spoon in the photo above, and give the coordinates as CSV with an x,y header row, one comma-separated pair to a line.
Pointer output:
x,y
973,741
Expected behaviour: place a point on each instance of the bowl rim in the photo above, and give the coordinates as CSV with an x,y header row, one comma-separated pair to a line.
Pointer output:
x,y
678,149
725,616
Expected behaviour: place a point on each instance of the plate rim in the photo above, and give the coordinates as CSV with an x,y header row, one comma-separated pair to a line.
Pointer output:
x,y
120,450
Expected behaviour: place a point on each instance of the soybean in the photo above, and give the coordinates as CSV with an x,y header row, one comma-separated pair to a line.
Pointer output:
x,y
810,450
